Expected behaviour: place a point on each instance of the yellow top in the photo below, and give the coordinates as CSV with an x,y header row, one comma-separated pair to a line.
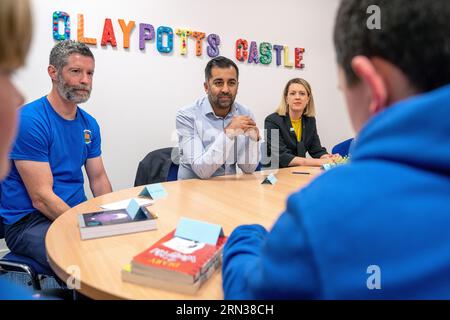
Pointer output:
x,y
297,125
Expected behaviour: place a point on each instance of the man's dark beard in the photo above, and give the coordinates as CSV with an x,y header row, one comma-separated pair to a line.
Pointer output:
x,y
219,105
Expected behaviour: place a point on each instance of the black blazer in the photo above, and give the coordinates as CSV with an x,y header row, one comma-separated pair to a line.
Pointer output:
x,y
289,147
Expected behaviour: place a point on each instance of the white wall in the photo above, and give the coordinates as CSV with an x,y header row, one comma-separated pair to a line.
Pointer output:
x,y
136,95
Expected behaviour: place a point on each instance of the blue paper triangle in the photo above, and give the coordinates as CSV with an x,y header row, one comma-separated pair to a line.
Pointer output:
x,y
200,231
154,191
135,211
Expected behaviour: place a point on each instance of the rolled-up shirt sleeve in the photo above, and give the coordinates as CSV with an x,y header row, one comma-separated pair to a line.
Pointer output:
x,y
248,154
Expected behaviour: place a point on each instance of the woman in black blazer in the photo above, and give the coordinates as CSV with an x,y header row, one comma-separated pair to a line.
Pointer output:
x,y
296,125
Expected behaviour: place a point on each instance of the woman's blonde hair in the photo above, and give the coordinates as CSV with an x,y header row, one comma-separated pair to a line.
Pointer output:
x,y
15,33
310,110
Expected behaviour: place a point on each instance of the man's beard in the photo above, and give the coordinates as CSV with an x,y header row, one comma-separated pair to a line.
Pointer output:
x,y
70,93
222,104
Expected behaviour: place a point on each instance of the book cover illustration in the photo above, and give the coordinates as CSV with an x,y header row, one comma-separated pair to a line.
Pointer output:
x,y
111,217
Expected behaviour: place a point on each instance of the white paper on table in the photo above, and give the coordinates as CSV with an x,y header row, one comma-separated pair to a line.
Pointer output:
x,y
123,204
183,245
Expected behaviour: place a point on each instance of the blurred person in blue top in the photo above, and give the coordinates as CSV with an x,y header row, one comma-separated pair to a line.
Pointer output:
x,y
55,139
217,134
15,38
382,232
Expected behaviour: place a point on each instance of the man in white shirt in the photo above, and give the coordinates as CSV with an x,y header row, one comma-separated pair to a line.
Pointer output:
x,y
216,133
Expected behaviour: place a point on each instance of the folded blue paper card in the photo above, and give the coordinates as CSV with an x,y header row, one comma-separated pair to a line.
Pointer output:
x,y
135,211
270,179
154,191
198,231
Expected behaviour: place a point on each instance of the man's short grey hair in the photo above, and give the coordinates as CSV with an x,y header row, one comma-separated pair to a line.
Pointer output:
x,y
62,50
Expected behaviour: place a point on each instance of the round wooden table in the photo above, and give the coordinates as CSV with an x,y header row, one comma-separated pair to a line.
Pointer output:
x,y
229,201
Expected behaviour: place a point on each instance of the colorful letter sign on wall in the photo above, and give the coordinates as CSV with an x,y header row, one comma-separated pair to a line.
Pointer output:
x,y
245,51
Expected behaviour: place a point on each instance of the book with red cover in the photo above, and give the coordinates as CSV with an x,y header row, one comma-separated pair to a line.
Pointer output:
x,y
176,259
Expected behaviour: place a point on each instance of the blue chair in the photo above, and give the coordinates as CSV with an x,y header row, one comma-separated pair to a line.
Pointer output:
x,y
259,167
342,148
173,172
17,263
12,262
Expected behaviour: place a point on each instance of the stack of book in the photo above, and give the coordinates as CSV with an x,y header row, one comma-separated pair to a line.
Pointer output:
x,y
175,264
114,222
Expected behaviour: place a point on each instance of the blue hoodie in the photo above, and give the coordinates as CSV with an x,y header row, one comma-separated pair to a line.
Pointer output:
x,y
376,228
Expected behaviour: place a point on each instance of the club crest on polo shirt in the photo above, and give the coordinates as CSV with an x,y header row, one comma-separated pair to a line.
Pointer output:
x,y
87,136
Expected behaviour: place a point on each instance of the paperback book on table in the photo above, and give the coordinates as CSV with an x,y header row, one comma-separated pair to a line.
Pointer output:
x,y
175,264
115,222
